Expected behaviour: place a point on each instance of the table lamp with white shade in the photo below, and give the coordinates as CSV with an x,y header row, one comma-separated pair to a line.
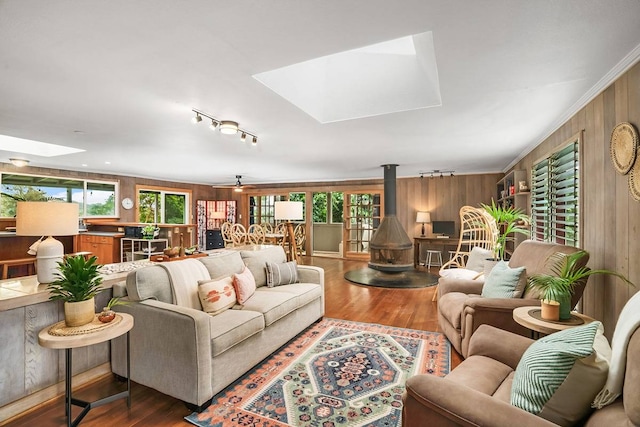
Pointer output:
x,y
47,219
423,217
289,211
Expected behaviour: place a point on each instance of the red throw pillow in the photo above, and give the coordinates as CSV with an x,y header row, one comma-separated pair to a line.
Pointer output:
x,y
244,284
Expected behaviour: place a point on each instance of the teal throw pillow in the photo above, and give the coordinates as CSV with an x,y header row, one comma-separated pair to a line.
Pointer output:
x,y
504,282
559,375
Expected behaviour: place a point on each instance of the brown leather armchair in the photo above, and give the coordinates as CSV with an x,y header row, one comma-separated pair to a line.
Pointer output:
x,y
461,309
477,392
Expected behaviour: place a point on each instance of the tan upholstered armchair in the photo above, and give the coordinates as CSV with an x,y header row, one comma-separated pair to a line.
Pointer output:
x,y
477,392
461,309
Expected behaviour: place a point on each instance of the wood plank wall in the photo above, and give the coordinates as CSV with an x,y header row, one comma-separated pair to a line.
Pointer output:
x,y
610,217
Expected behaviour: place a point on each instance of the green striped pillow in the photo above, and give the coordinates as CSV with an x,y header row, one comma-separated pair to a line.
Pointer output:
x,y
559,375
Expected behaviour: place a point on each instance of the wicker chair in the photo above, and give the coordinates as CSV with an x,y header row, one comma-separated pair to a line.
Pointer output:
x,y
238,234
225,230
477,229
256,234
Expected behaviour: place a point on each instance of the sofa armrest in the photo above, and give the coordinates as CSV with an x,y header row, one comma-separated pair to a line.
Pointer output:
x,y
499,345
311,274
466,286
170,350
435,401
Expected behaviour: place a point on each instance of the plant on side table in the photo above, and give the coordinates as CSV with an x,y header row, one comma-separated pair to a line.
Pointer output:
x,y
556,290
77,283
510,221
107,314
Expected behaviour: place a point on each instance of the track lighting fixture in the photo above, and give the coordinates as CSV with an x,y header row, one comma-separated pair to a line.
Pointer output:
x,y
436,172
227,127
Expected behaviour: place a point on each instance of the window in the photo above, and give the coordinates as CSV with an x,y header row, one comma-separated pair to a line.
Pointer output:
x,y
327,207
163,206
555,193
95,198
262,209
363,219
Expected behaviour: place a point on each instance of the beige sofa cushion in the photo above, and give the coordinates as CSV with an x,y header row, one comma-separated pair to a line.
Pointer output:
x,y
304,292
232,327
256,261
226,264
273,305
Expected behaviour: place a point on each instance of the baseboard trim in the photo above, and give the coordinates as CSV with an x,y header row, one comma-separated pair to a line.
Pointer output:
x,y
32,401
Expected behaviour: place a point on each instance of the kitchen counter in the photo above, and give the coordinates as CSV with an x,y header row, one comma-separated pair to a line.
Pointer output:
x,y
24,291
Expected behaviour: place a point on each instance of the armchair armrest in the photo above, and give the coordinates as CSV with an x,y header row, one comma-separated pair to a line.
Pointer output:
x,y
170,350
434,401
496,312
499,345
466,286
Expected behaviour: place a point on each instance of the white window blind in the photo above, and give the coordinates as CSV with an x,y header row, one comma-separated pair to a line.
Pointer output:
x,y
555,196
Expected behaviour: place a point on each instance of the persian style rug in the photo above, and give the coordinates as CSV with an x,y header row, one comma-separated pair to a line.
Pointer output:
x,y
335,373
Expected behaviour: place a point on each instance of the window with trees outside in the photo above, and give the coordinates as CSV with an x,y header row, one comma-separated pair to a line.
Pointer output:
x,y
327,208
163,206
555,190
95,198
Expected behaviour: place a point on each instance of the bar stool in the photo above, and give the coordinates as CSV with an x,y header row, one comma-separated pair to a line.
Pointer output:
x,y
30,264
434,258
452,254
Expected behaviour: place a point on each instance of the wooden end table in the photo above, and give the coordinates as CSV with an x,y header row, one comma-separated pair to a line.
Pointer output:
x,y
529,318
57,336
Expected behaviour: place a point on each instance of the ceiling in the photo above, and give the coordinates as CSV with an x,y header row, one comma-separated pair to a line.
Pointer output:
x,y
119,79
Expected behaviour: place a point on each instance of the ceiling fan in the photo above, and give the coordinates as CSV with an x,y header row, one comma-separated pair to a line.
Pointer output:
x,y
238,187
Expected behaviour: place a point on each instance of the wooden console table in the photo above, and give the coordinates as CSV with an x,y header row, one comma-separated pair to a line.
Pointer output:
x,y
431,241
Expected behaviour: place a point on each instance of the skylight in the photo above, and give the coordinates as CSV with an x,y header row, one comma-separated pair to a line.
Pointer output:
x,y
388,77
27,146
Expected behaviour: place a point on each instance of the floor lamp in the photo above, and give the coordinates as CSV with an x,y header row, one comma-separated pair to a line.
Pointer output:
x,y
289,211
47,219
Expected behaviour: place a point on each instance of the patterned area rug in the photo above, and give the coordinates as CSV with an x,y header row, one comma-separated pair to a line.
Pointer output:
x,y
336,373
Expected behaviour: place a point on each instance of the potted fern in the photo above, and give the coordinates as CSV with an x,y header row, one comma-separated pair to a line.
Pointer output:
x,y
557,288
77,283
509,220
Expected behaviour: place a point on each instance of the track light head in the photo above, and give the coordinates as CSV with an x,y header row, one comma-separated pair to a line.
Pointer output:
x,y
213,125
197,118
243,137
254,141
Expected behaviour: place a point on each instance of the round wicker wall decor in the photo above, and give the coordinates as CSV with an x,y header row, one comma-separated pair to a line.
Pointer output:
x,y
624,147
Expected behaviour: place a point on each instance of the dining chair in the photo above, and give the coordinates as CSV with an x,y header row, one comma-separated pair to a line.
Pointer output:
x,y
256,234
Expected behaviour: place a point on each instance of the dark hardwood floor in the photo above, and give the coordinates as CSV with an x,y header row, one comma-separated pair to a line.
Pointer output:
x,y
406,308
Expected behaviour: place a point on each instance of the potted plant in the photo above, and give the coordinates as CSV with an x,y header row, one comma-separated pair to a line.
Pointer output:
x,y
107,314
557,289
509,220
149,231
77,283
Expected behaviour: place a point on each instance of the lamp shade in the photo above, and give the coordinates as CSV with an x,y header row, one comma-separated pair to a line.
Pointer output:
x,y
288,211
46,219
423,217
218,215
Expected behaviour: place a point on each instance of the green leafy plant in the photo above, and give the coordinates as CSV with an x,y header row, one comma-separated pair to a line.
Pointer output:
x,y
566,274
115,301
77,280
510,220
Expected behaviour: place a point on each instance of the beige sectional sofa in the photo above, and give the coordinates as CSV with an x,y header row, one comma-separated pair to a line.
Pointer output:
x,y
191,355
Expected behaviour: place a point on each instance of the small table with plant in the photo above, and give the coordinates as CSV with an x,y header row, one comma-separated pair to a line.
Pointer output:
x,y
530,317
76,283
60,336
